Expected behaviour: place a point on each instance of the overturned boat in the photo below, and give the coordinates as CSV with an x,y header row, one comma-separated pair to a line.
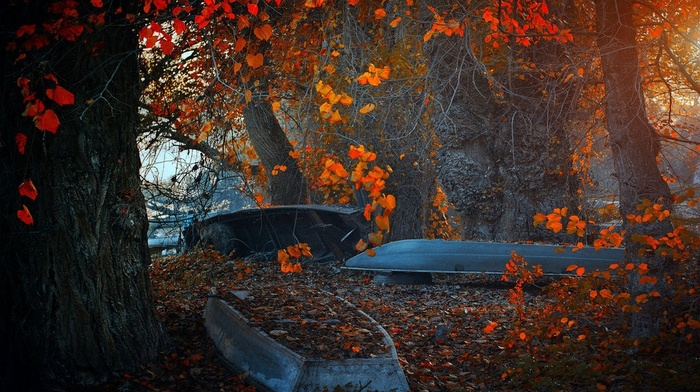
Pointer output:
x,y
439,256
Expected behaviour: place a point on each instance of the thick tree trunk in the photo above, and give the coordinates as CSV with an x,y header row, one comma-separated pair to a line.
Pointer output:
x,y
634,142
503,159
76,292
273,148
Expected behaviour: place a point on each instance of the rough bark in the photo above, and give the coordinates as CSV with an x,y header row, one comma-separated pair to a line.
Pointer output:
x,y
77,302
503,158
633,140
273,148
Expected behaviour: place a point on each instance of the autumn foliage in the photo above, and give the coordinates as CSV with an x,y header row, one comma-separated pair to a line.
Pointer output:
x,y
591,313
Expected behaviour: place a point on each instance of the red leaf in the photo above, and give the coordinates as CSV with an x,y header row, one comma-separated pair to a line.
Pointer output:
x,y
34,108
26,30
491,327
167,46
178,25
28,189
25,216
96,3
47,121
253,9
61,96
21,142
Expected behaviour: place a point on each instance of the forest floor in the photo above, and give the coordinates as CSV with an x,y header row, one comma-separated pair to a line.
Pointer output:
x,y
444,333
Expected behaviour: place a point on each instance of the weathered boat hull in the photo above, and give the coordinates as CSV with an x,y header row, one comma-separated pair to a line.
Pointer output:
x,y
438,256
272,366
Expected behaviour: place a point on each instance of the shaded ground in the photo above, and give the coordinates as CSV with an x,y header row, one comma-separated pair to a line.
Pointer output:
x,y
438,330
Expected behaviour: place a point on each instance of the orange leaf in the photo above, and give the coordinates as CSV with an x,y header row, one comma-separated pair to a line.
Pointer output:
x,y
368,212
539,219
25,216
656,32
391,202
605,293
28,189
345,99
647,280
379,13
254,60
240,44
491,327
367,108
314,3
361,245
263,32
395,22
580,271
335,117
376,239
282,256
48,121
641,298
382,222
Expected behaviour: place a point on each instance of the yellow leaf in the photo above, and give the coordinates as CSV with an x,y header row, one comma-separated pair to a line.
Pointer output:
x,y
367,108
276,106
205,128
326,108
323,88
335,117
346,99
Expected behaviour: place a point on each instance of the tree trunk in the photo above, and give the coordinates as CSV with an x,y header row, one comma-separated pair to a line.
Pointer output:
x,y
633,140
76,292
272,146
503,159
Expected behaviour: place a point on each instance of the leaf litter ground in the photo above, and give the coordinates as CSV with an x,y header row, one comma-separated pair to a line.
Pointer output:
x,y
437,329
